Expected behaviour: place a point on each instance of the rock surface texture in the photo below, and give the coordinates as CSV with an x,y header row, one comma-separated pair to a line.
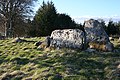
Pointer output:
x,y
70,38
96,33
93,33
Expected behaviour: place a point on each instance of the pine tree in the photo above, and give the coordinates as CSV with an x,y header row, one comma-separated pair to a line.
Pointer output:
x,y
45,19
64,21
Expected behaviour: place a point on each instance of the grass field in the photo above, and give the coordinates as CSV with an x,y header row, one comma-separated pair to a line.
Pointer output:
x,y
23,61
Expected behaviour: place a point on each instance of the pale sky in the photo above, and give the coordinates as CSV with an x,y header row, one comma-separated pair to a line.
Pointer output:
x,y
86,8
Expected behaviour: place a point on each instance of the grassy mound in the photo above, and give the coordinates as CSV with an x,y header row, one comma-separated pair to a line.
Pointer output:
x,y
23,61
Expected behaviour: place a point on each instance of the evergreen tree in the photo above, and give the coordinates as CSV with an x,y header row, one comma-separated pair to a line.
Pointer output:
x,y
112,29
118,26
45,19
65,22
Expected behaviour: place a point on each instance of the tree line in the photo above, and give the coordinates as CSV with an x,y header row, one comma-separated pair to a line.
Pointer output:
x,y
112,28
15,16
47,19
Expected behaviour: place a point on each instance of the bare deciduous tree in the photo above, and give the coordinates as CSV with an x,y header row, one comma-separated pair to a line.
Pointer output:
x,y
13,11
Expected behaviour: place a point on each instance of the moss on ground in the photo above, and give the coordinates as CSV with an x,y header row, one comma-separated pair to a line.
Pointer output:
x,y
29,63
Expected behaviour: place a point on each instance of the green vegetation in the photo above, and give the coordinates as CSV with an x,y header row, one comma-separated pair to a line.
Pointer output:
x,y
113,28
24,61
15,20
47,19
13,14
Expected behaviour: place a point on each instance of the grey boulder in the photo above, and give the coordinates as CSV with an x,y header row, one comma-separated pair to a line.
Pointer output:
x,y
95,33
69,38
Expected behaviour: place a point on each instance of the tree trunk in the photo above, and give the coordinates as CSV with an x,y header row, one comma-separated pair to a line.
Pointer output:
x,y
8,30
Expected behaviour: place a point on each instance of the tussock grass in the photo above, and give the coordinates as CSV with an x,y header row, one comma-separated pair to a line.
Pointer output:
x,y
27,62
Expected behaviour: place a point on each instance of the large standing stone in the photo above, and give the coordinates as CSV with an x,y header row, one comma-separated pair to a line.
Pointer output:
x,y
96,33
70,38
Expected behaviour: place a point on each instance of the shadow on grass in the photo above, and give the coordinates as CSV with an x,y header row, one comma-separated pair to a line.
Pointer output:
x,y
73,64
2,59
20,60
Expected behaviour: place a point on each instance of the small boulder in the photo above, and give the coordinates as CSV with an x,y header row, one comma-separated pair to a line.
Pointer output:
x,y
38,43
45,44
16,40
42,46
48,40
